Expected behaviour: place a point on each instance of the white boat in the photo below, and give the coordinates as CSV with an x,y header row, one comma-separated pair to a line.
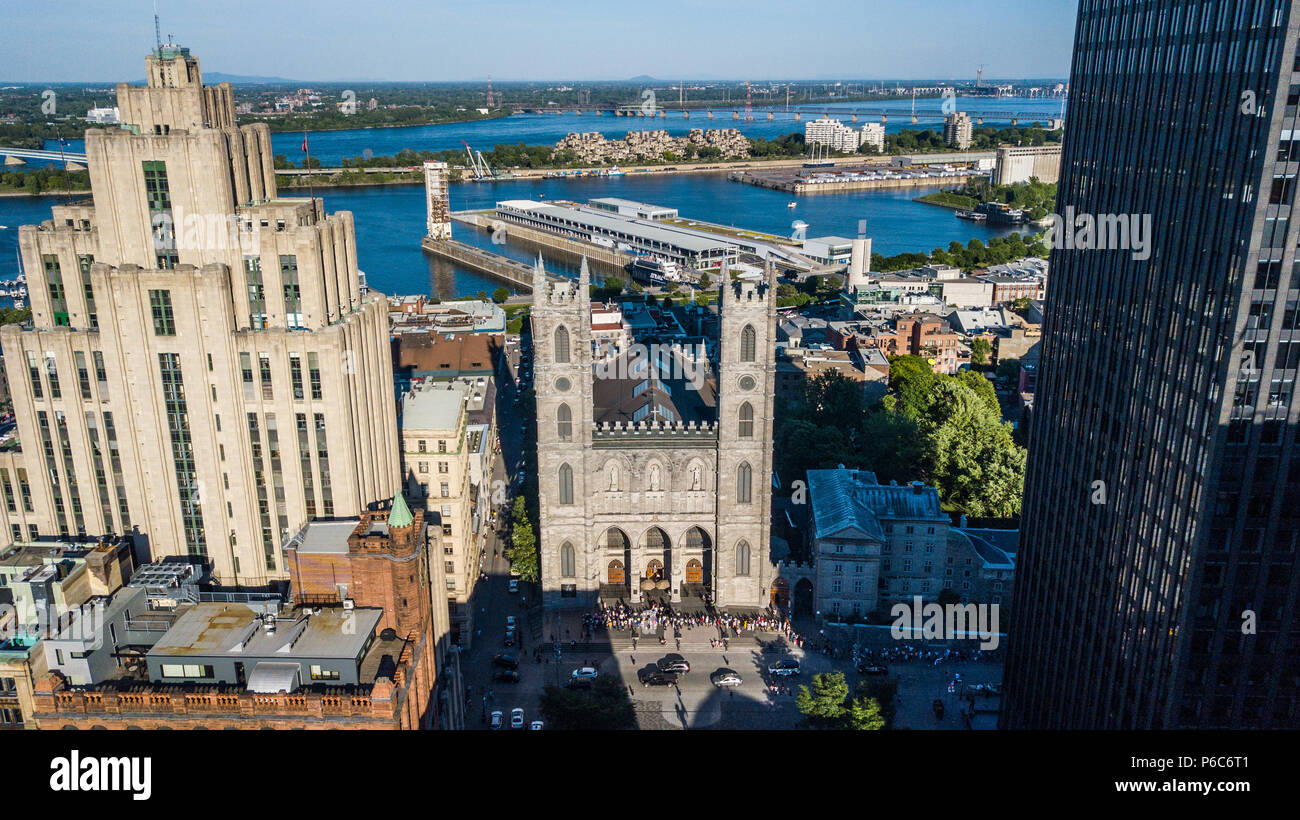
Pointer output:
x,y
656,270
791,204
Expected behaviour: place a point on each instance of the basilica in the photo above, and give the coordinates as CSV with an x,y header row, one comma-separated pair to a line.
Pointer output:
x,y
654,458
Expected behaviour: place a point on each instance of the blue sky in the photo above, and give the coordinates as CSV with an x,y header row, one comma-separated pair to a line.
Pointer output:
x,y
106,40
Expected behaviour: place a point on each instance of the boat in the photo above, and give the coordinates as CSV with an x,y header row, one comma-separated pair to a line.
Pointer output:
x,y
656,270
972,216
791,204
613,171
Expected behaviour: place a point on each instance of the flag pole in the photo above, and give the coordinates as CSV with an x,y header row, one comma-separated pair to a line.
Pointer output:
x,y
311,188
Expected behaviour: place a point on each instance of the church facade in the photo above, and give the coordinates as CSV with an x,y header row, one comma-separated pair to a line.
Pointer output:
x,y
654,464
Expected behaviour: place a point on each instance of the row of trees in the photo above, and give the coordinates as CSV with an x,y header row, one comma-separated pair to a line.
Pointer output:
x,y
48,178
944,430
914,141
974,254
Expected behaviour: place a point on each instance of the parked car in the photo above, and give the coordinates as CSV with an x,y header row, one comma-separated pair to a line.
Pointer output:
x,y
505,661
657,678
516,718
785,668
537,726
673,663
514,585
585,673
510,623
506,676
496,720
510,638
726,677
872,668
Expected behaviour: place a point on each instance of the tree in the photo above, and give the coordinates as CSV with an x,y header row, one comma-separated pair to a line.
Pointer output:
x,y
604,707
912,379
980,350
893,447
865,714
977,466
982,387
824,705
523,543
705,281
500,295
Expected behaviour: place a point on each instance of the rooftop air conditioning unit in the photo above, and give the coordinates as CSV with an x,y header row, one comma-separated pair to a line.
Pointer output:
x,y
348,603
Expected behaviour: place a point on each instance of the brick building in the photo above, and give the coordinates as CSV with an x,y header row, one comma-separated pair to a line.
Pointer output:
x,y
355,648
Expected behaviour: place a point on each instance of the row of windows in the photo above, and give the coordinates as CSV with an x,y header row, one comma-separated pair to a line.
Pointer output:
x,y
560,344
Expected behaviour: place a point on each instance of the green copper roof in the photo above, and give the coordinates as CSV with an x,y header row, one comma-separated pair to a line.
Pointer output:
x,y
401,514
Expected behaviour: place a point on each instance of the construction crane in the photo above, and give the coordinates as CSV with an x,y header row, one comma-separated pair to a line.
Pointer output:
x,y
481,170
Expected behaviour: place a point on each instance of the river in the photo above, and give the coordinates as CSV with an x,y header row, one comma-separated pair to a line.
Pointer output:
x,y
390,219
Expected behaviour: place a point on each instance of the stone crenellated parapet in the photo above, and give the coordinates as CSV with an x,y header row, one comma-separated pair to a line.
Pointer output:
x,y
630,430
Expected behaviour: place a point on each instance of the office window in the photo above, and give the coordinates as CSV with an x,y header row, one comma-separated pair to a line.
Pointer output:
x,y
160,304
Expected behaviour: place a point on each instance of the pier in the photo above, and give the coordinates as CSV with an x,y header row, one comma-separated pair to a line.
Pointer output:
x,y
516,274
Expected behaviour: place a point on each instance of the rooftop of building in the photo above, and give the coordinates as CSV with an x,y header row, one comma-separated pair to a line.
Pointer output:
x,y
439,405
845,499
432,353
610,223
208,629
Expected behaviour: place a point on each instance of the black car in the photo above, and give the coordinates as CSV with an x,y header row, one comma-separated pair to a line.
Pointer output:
x,y
506,676
505,661
673,663
657,678
578,683
872,668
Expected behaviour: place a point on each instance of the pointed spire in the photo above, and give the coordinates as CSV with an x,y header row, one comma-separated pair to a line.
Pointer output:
x,y
584,275
539,276
401,514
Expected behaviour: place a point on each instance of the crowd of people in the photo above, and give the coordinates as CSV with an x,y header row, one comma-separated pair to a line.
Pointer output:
x,y
908,652
659,618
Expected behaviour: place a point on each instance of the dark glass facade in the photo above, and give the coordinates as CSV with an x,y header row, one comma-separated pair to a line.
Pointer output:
x,y
1158,585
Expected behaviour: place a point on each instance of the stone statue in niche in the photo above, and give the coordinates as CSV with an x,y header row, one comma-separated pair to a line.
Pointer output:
x,y
654,478
695,477
613,478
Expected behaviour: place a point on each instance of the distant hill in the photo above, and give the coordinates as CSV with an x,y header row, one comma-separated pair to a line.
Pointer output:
x,y
242,79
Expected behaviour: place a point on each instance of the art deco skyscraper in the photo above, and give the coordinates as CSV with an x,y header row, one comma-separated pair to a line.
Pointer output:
x,y
206,366
1158,584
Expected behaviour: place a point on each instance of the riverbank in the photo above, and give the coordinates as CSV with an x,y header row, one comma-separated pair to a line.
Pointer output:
x,y
944,199
59,192
280,128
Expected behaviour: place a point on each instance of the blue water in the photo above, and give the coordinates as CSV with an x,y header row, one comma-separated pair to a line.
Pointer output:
x,y
329,147
390,219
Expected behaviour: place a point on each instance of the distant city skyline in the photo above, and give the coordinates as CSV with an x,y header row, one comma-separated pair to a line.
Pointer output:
x,y
405,41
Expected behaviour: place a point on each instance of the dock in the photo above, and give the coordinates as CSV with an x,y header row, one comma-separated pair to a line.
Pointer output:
x,y
509,271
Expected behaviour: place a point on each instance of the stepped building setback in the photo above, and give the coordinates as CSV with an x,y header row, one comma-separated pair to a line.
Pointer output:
x,y
205,367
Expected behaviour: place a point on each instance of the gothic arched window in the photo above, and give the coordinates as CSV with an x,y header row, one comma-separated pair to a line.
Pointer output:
x,y
742,558
564,423
748,342
562,345
744,482
567,560
566,484
746,421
